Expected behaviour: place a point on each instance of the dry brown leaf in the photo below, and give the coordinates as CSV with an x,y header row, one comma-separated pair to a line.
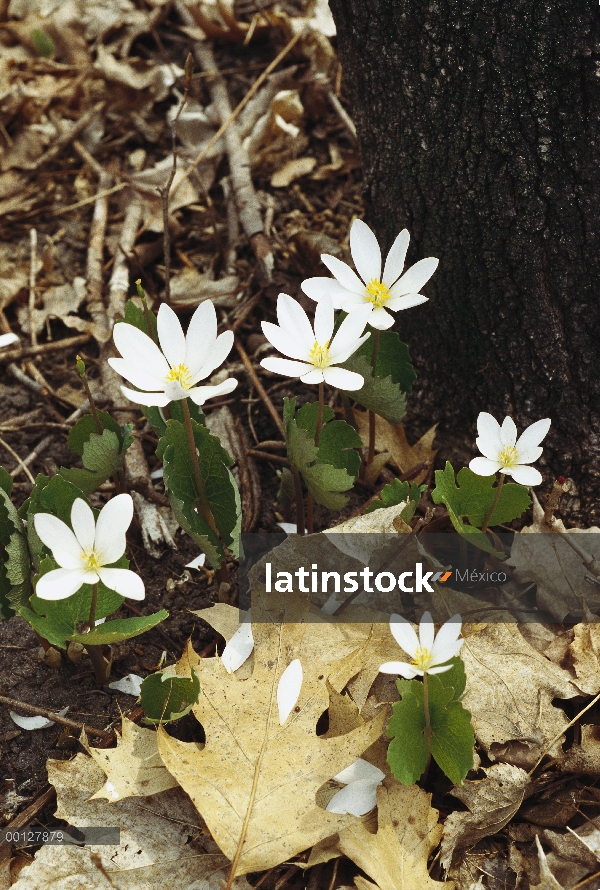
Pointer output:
x,y
584,757
154,851
392,438
253,769
585,652
190,288
292,170
548,881
134,767
60,302
492,802
396,857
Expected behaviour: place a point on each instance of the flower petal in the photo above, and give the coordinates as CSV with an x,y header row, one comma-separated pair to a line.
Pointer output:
x,y
150,399
483,466
398,304
324,320
113,521
343,274
138,376
404,634
314,376
529,455
124,582
340,356
315,288
348,334
508,432
139,349
440,670
532,436
360,771
400,669
288,689
220,349
131,684
381,319
59,538
286,366
200,394
489,441
525,475
365,251
426,631
350,302
294,321
444,654
343,379
170,336
239,647
415,278
283,342
201,336
447,637
357,798
60,583
396,258
84,524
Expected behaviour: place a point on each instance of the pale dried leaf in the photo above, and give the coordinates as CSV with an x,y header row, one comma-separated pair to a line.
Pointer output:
x,y
190,288
548,881
585,653
408,830
292,170
392,438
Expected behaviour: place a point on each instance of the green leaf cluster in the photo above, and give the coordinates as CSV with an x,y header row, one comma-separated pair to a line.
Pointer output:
x,y
102,454
472,499
15,565
220,487
452,738
330,467
384,391
395,493
165,697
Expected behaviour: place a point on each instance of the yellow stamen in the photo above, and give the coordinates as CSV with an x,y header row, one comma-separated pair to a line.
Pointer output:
x,y
378,293
92,560
508,457
319,355
180,374
422,659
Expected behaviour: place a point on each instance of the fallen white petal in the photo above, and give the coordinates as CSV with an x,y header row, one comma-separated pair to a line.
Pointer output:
x,y
197,562
7,339
360,770
31,723
356,798
130,685
290,528
288,689
157,474
239,647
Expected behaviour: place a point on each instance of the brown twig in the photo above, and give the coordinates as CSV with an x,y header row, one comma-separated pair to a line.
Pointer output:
x,y
56,718
46,796
259,387
32,274
66,137
32,456
13,355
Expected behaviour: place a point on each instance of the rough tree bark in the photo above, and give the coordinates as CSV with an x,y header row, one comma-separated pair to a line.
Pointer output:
x,y
479,130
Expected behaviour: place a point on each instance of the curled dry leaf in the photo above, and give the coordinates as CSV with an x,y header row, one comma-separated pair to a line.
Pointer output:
x,y
255,781
547,879
292,170
392,438
492,802
134,767
408,830
585,653
60,302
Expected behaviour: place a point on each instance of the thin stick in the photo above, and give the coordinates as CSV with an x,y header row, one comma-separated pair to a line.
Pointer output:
x,y
371,451
259,387
13,355
22,465
499,485
32,272
561,733
88,392
33,455
50,715
66,137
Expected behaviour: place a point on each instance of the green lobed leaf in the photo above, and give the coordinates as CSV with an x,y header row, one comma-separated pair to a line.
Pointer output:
x,y
54,496
120,629
395,493
338,440
452,739
379,394
393,359
85,427
6,481
324,481
221,490
6,610
102,458
165,698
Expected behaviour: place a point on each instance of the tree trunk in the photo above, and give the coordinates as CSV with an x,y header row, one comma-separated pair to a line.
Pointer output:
x,y
479,131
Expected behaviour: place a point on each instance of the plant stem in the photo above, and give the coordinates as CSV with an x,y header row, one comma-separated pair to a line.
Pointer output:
x,y
93,604
348,413
99,663
310,500
299,500
499,485
205,510
86,387
371,451
428,732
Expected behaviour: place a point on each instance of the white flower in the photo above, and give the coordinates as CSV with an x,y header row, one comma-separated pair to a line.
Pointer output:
x,y
504,452
315,353
426,650
172,374
84,552
377,293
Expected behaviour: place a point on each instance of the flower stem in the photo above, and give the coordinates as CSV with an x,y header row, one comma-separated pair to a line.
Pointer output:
x,y
309,500
299,501
86,387
371,451
428,731
93,604
99,663
205,510
499,485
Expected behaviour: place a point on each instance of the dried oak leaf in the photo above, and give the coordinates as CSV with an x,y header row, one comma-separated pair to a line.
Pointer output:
x,y
547,879
134,767
492,802
255,781
154,851
392,438
585,652
396,857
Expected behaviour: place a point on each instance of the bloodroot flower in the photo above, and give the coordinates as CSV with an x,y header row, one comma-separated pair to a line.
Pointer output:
x,y
313,355
380,293
504,452
85,552
171,373
426,650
